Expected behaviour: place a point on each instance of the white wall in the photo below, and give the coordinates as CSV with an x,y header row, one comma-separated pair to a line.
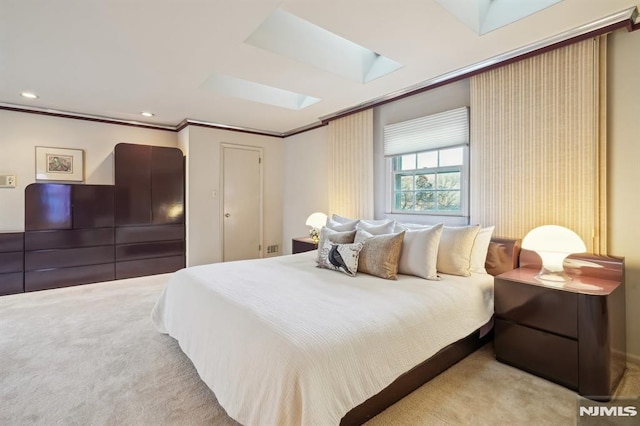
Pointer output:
x,y
22,132
443,98
623,171
305,182
203,146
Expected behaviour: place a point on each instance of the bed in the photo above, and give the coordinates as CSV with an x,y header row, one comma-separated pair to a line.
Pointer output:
x,y
281,342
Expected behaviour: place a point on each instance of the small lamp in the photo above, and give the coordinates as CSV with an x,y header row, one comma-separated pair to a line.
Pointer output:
x,y
316,221
553,244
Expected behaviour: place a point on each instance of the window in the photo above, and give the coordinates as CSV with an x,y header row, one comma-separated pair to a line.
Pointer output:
x,y
428,164
429,181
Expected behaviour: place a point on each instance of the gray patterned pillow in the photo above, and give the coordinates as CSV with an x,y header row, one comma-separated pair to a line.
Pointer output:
x,y
380,254
340,257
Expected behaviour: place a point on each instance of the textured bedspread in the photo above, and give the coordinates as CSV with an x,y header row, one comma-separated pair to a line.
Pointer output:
x,y
281,342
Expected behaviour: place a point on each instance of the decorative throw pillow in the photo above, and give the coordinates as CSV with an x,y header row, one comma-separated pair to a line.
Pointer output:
x,y
454,251
419,254
337,226
334,237
380,254
340,257
480,249
385,227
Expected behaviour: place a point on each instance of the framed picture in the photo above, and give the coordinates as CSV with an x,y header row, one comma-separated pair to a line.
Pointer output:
x,y
59,164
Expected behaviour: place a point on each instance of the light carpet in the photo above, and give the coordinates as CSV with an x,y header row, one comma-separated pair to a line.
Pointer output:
x,y
89,355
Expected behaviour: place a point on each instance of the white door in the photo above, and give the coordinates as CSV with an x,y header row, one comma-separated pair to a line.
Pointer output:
x,y
241,203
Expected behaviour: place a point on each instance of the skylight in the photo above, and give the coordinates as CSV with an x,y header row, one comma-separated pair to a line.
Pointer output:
x,y
285,34
484,16
256,92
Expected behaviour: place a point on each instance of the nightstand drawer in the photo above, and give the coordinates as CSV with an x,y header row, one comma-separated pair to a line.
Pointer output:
x,y
547,355
538,307
301,245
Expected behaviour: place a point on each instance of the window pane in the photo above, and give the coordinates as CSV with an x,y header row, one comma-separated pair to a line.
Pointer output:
x,y
425,200
428,159
449,200
404,200
426,181
451,157
449,180
408,162
404,182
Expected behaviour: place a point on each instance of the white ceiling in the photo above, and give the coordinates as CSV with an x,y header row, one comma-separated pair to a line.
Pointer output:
x,y
116,58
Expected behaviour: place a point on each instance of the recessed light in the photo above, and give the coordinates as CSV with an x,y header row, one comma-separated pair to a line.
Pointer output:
x,y
29,95
147,114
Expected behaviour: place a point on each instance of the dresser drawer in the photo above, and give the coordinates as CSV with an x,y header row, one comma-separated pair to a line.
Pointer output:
x,y
544,354
538,307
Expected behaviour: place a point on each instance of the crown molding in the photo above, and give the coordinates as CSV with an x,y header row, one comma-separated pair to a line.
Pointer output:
x,y
189,122
80,116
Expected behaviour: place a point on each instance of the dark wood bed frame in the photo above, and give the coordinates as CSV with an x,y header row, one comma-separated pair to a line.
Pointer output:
x,y
502,257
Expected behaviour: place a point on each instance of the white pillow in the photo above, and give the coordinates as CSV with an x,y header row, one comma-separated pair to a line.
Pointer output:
x,y
341,219
410,226
480,249
376,221
419,254
454,251
337,226
377,228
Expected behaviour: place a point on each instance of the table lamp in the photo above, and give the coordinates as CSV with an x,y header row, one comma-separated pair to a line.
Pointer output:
x,y
316,221
553,244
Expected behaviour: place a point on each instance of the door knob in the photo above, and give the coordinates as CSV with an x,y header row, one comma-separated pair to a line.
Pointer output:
x,y
227,215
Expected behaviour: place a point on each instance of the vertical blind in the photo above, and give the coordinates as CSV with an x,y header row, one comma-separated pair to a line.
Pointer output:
x,y
434,131
350,165
537,152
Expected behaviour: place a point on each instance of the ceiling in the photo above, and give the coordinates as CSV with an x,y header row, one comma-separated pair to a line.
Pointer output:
x,y
117,58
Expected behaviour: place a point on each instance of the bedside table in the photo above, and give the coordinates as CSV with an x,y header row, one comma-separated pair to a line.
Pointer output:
x,y
302,244
570,333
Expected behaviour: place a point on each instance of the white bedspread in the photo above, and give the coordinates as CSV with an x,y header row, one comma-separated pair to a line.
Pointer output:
x,y
281,342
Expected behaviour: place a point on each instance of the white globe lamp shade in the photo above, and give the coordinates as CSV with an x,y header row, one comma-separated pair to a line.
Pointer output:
x,y
316,220
553,244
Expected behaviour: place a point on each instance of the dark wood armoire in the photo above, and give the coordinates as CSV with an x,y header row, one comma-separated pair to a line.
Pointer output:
x,y
80,234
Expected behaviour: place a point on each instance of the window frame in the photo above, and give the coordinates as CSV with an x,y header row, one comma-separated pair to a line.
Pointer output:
x,y
464,183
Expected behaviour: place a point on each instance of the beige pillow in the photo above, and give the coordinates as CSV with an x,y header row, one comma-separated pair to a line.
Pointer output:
x,y
454,251
335,237
480,249
380,254
419,254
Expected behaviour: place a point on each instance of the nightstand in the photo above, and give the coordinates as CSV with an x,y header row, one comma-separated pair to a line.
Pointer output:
x,y
302,244
571,333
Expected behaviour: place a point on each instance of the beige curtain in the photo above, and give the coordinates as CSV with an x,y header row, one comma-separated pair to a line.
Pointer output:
x,y
350,171
537,144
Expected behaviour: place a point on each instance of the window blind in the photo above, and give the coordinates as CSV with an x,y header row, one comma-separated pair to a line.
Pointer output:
x,y
448,128
536,141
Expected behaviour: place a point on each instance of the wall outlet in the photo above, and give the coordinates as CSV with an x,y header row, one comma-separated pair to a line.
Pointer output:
x,y
275,248
7,181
